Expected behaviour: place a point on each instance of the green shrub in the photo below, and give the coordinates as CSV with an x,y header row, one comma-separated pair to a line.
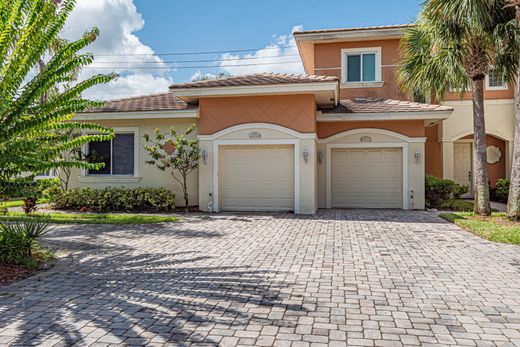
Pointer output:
x,y
19,239
500,192
113,199
45,185
439,192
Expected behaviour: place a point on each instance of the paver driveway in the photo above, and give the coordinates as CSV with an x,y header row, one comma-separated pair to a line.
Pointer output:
x,y
340,277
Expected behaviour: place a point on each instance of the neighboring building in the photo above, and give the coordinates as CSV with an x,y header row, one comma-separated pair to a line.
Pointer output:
x,y
343,136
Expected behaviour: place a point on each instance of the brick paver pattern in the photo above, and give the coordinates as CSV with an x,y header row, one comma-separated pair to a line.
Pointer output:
x,y
339,278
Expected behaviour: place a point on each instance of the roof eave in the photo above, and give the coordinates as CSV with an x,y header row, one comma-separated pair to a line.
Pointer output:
x,y
194,94
159,114
360,116
351,35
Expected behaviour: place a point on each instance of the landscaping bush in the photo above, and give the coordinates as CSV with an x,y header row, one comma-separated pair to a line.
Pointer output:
x,y
500,192
46,185
114,199
18,240
439,192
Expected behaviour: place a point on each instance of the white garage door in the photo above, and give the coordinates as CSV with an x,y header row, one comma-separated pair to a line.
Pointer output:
x,y
257,178
367,178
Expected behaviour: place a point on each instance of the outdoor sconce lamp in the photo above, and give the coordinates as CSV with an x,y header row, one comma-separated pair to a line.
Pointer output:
x,y
204,156
306,155
417,156
321,155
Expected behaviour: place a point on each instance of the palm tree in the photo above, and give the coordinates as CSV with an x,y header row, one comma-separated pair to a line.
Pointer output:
x,y
513,202
456,41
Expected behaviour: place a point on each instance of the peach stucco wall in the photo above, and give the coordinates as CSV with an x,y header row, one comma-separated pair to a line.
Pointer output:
x,y
327,57
412,128
498,169
297,112
327,61
433,152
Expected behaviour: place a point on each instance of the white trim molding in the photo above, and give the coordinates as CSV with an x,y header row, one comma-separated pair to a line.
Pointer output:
x,y
216,169
137,115
402,145
499,136
191,94
360,34
334,117
252,126
486,102
373,131
353,85
378,82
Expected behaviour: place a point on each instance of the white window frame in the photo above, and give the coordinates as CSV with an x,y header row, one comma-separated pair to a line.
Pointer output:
x,y
360,51
488,87
120,130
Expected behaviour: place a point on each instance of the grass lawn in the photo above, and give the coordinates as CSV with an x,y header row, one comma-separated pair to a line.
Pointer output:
x,y
460,205
494,228
91,218
18,202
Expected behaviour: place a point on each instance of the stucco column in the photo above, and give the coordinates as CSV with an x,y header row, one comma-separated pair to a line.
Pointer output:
x,y
447,160
416,172
308,176
206,175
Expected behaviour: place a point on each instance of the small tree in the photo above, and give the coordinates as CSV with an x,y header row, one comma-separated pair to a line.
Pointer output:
x,y
36,108
176,153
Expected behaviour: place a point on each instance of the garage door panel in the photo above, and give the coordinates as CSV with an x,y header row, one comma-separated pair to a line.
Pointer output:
x,y
257,178
367,178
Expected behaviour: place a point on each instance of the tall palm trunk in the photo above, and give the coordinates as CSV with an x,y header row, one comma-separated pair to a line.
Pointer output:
x,y
513,202
482,204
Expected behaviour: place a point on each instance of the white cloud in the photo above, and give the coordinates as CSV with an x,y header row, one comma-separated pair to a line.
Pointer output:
x,y
198,75
276,57
117,21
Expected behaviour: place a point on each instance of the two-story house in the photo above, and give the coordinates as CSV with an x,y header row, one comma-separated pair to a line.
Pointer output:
x,y
342,136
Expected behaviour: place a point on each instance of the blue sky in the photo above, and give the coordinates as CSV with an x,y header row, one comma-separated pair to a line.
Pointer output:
x,y
134,34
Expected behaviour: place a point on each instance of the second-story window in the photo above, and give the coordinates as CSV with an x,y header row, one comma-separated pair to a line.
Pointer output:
x,y
361,65
496,81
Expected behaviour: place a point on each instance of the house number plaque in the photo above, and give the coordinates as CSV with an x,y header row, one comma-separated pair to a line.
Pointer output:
x,y
255,135
365,139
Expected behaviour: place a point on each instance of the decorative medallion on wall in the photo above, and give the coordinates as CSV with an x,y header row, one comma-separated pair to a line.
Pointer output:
x,y
255,135
365,139
493,154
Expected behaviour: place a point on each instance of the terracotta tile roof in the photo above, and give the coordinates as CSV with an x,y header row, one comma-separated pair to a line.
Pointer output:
x,y
153,102
256,80
383,106
381,27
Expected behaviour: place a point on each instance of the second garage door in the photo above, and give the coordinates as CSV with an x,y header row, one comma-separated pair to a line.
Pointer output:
x,y
257,178
367,178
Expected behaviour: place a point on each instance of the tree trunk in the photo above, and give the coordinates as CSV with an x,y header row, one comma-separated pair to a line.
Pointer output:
x,y
482,204
513,202
185,190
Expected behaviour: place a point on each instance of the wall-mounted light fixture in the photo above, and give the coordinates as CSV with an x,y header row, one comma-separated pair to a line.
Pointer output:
x,y
306,155
417,157
204,156
321,156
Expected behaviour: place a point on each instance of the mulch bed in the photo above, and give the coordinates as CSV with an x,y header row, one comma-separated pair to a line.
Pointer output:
x,y
13,273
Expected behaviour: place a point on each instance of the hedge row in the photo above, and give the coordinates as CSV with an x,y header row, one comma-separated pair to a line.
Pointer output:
x,y
113,199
